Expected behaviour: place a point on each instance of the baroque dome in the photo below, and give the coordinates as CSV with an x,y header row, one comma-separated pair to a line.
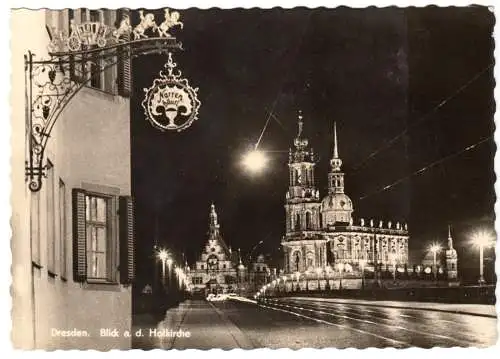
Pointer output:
x,y
336,202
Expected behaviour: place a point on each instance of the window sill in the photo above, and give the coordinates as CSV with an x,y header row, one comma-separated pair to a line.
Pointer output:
x,y
102,285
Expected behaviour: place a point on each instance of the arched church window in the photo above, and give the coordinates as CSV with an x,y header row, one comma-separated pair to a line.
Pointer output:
x,y
298,175
308,220
297,222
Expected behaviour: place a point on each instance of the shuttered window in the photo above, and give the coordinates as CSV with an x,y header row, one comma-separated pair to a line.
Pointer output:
x,y
79,237
103,243
127,240
97,222
124,79
95,62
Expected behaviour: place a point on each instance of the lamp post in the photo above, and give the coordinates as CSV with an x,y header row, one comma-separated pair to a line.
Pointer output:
x,y
284,283
169,262
482,239
297,275
435,248
163,255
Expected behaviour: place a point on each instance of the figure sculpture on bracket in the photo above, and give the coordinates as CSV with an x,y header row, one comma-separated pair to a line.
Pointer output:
x,y
87,45
171,20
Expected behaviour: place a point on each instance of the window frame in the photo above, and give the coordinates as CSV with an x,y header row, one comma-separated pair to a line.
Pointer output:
x,y
112,240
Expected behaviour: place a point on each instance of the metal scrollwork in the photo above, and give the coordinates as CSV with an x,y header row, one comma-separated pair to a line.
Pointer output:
x,y
76,57
171,103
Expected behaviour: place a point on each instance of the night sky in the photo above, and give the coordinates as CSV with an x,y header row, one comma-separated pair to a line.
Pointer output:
x,y
381,74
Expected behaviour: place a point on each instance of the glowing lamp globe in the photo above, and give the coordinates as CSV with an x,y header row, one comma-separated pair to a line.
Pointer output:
x,y
255,161
482,239
163,254
435,248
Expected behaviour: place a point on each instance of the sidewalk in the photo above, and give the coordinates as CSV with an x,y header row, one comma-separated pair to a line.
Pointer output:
x,y
483,310
194,324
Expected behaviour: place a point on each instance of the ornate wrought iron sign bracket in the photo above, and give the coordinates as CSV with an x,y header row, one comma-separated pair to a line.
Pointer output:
x,y
74,60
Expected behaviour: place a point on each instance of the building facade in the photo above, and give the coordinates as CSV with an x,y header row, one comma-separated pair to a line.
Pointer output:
x,y
321,234
72,241
451,258
221,270
216,271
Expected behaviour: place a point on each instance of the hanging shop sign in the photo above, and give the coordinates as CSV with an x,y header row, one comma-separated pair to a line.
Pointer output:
x,y
171,104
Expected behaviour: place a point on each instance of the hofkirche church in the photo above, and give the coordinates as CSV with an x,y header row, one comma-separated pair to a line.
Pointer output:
x,y
321,233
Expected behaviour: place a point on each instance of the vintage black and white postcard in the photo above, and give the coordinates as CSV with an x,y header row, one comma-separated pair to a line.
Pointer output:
x,y
301,177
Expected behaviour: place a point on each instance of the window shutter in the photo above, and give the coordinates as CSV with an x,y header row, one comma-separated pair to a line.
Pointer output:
x,y
127,240
124,79
79,236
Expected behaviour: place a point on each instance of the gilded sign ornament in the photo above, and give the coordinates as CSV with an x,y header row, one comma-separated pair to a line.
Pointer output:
x,y
97,34
171,103
83,52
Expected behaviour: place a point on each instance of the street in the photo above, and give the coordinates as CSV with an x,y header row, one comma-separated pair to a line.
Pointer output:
x,y
306,322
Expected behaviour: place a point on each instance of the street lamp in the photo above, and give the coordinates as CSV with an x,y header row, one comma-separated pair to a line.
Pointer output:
x,y
435,248
163,255
482,239
255,161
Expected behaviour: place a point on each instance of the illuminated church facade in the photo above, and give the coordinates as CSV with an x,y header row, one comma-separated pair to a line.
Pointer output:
x,y
219,269
321,233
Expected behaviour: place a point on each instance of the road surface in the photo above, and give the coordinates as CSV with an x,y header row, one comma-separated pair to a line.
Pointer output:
x,y
308,323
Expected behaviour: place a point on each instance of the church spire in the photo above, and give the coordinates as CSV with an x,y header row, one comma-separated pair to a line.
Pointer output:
x,y
213,215
450,239
335,162
335,146
214,224
300,142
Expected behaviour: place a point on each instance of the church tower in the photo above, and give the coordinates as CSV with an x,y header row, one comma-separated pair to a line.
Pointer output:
x,y
451,258
302,196
213,229
336,207
304,248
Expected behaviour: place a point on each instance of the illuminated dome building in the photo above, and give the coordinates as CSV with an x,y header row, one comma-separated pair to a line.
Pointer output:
x,y
321,234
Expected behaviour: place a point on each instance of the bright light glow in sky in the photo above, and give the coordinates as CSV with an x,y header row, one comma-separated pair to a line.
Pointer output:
x,y
255,161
